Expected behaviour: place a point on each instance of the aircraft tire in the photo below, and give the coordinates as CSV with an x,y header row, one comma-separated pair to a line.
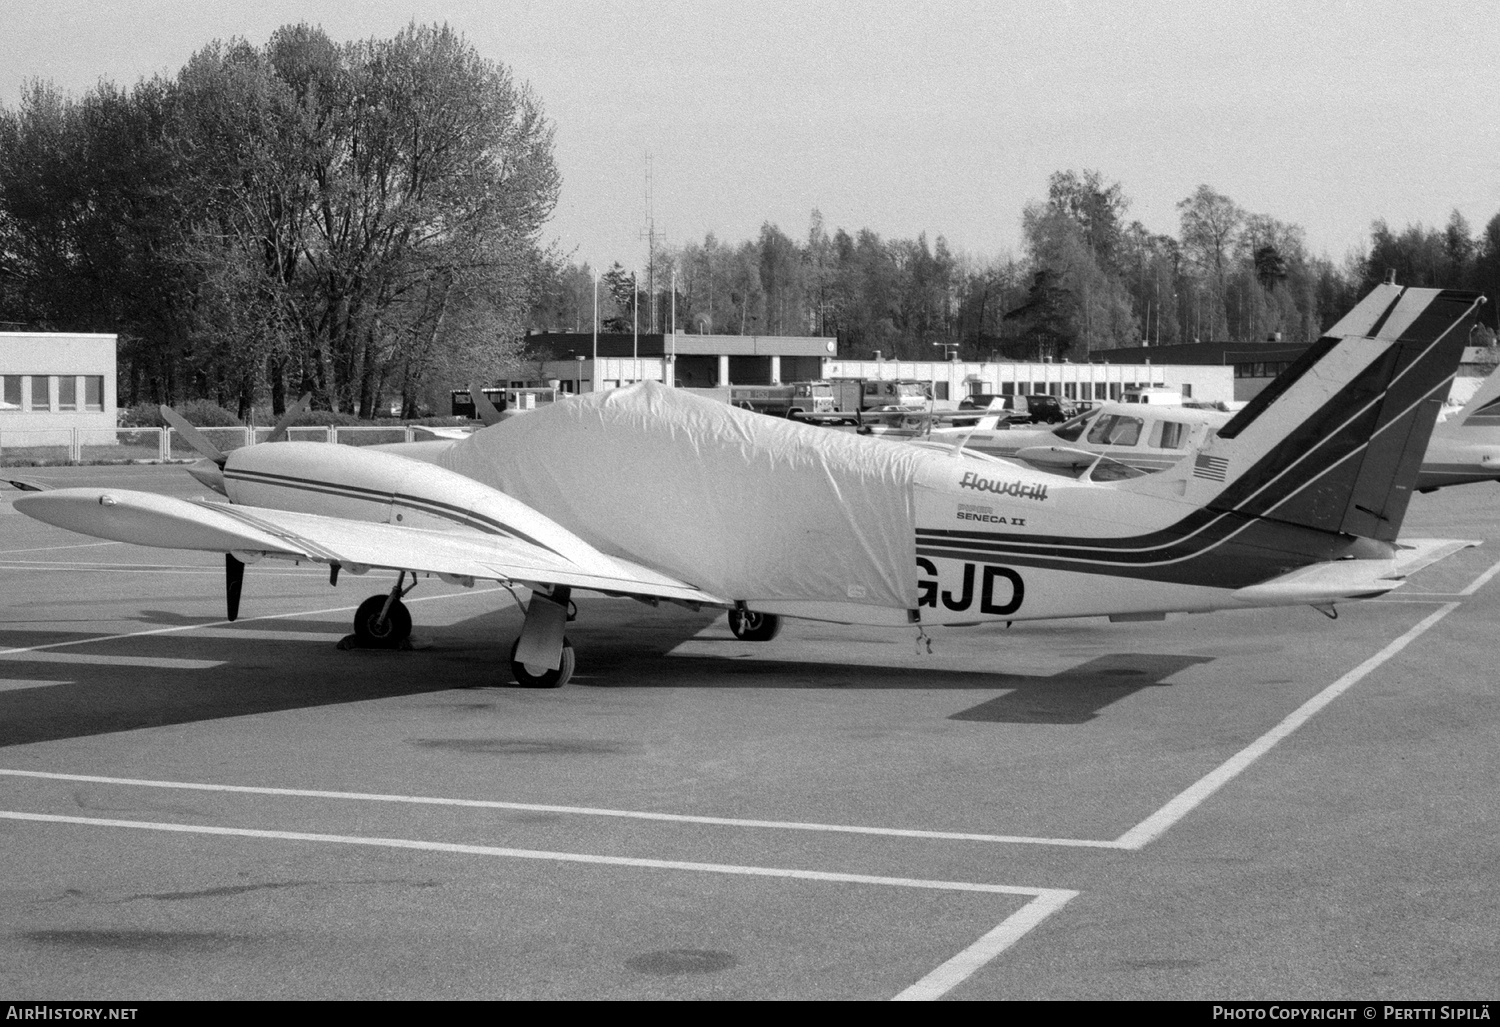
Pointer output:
x,y
370,634
749,626
547,678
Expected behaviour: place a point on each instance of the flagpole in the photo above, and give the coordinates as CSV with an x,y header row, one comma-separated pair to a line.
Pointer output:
x,y
594,367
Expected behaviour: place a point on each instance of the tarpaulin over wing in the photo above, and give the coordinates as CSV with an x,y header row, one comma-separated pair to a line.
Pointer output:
x,y
741,504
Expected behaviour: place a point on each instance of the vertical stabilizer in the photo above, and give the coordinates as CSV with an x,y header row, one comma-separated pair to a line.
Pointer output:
x,y
1481,411
1336,441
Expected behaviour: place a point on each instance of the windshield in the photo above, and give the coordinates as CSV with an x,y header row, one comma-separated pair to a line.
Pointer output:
x,y
1116,430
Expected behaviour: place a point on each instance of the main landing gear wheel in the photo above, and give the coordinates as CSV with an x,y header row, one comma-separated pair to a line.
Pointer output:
x,y
371,632
542,677
749,626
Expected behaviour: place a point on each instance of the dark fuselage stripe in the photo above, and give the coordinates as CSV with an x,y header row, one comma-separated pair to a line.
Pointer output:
x,y
447,511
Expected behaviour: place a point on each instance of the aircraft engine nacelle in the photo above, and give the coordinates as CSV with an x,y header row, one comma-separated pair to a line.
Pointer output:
x,y
345,481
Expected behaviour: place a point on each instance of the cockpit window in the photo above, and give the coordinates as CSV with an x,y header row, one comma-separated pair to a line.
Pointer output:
x,y
1069,431
1116,430
1169,435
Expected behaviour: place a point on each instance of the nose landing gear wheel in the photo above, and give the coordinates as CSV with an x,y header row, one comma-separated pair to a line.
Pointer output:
x,y
373,633
528,676
749,626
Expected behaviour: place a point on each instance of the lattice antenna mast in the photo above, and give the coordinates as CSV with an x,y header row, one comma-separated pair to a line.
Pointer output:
x,y
649,234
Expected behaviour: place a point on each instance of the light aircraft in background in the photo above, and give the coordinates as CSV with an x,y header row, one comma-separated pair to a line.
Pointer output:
x,y
1126,439
649,493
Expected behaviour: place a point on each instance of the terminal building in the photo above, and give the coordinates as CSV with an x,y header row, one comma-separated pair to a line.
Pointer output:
x,y
53,384
571,361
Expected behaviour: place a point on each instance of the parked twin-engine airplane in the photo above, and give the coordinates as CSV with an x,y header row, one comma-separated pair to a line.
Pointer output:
x,y
650,493
1464,448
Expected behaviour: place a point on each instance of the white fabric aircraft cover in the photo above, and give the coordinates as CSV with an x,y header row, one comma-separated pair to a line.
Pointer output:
x,y
741,504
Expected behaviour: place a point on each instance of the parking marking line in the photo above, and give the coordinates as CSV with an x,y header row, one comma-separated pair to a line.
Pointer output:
x,y
17,684
1009,931
42,549
531,807
106,660
1044,901
1186,801
1482,580
242,620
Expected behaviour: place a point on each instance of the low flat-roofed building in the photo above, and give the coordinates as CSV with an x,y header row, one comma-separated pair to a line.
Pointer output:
x,y
696,361
52,383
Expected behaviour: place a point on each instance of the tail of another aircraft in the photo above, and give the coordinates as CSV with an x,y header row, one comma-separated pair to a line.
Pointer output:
x,y
1481,411
1336,441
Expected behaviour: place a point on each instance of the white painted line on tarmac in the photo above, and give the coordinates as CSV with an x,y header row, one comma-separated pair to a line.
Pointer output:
x,y
1010,930
529,807
1044,901
1482,580
271,635
242,620
43,549
135,568
1185,802
16,684
102,660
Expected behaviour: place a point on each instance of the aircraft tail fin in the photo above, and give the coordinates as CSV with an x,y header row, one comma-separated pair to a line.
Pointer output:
x,y
1336,441
1481,411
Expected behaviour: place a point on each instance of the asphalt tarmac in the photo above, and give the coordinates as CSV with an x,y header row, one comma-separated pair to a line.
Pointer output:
x,y
1258,804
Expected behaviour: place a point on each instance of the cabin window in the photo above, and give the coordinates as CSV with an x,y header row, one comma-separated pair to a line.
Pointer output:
x,y
1169,435
1116,430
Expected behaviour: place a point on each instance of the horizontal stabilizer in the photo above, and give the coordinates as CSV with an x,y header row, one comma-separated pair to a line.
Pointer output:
x,y
1350,579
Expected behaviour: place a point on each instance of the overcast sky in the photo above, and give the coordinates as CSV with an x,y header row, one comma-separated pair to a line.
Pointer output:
x,y
910,116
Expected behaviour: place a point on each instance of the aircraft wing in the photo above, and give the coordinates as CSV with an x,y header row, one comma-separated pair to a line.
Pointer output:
x,y
1352,579
148,519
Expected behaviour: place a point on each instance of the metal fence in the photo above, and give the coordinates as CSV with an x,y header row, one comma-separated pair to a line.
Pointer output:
x,y
35,446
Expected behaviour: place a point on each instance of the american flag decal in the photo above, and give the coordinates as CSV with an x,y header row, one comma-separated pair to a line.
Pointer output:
x,y
1214,468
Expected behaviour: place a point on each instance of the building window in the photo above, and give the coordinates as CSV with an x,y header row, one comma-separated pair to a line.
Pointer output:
x,y
93,392
939,390
67,392
41,398
1007,388
1187,392
10,392
1101,390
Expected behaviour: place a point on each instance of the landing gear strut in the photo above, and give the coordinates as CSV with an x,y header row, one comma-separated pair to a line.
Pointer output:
x,y
749,626
383,622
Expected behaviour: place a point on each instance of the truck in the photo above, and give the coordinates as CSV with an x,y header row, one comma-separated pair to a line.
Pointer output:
x,y
793,399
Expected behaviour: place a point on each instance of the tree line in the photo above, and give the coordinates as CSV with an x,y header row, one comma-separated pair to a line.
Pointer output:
x,y
361,219
1088,280
364,220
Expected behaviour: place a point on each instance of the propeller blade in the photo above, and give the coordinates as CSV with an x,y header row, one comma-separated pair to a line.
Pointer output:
x,y
234,580
194,437
279,433
482,405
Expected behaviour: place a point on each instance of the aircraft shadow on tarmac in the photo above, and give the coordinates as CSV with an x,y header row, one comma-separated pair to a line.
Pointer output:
x,y
266,675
